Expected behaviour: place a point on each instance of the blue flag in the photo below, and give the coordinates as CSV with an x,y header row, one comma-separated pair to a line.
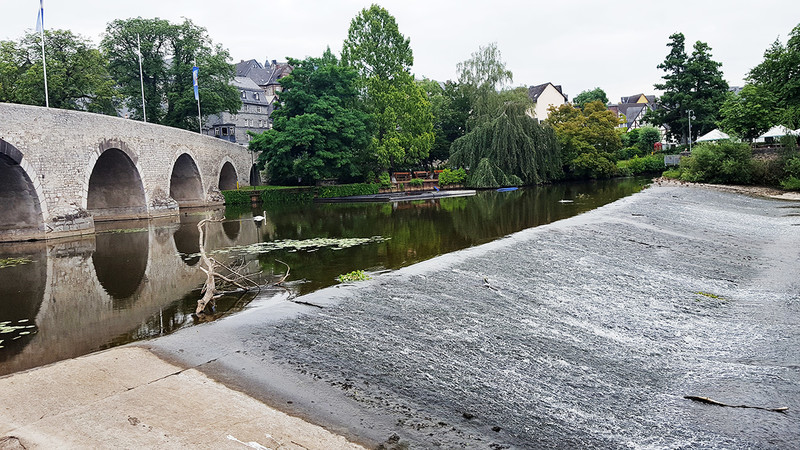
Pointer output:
x,y
195,71
40,17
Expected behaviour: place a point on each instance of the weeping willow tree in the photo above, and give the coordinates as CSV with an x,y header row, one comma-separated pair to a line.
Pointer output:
x,y
510,150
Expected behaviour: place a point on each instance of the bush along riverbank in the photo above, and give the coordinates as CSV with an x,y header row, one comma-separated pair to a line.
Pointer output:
x,y
733,163
306,194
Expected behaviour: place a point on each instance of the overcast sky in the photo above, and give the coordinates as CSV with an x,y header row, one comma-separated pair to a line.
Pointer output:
x,y
580,44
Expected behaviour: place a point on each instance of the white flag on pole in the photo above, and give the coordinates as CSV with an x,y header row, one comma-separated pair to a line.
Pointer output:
x,y
40,17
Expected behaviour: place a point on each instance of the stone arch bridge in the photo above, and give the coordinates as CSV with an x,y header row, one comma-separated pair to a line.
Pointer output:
x,y
61,171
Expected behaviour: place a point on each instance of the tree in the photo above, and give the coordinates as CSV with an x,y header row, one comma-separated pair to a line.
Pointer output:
x,y
76,73
778,76
382,56
481,76
168,54
320,130
588,138
594,95
511,149
691,83
450,107
751,112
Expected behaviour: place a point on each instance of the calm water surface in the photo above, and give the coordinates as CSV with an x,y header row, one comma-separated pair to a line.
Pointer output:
x,y
137,280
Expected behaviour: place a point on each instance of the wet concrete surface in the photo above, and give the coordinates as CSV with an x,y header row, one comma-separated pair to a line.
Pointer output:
x,y
583,333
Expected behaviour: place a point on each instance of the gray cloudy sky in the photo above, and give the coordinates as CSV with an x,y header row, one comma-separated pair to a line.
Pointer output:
x,y
580,44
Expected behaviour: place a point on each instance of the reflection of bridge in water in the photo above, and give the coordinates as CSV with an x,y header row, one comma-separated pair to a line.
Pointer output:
x,y
87,294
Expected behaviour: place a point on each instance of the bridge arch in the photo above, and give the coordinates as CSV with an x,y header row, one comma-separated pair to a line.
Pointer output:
x,y
227,176
115,189
21,196
186,184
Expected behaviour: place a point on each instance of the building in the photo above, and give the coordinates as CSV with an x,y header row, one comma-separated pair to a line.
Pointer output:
x,y
266,76
545,96
252,116
632,109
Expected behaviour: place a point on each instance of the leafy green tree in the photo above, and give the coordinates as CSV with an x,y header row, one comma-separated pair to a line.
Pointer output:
x,y
76,73
779,75
587,137
690,83
450,107
751,112
480,77
724,162
648,136
168,53
511,149
320,131
594,95
382,56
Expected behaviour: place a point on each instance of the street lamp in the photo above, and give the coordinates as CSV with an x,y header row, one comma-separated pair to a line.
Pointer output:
x,y
690,112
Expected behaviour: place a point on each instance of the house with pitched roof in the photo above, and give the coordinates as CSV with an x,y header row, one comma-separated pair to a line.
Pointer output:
x,y
252,116
633,108
544,96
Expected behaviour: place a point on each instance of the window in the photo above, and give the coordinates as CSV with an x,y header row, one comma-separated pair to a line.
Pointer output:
x,y
257,96
258,109
224,131
216,131
243,94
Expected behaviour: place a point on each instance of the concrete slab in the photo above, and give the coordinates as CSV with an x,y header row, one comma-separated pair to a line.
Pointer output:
x,y
129,398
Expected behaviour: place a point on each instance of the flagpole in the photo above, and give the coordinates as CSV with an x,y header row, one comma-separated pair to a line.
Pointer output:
x,y
44,62
197,96
141,76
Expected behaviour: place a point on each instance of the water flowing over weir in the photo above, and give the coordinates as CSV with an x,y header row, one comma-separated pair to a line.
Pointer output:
x,y
585,333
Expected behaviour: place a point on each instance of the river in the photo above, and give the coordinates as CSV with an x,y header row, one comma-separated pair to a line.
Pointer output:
x,y
138,280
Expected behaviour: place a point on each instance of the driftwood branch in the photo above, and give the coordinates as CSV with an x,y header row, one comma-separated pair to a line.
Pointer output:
x,y
714,402
209,287
285,275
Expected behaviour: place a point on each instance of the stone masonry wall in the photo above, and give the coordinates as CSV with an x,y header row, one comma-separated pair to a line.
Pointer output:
x,y
59,149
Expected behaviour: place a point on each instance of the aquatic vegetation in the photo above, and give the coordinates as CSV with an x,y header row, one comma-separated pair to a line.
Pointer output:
x,y
306,245
21,328
124,230
356,275
13,262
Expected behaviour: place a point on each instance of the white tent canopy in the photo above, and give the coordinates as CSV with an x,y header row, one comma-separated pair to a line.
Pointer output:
x,y
713,135
776,131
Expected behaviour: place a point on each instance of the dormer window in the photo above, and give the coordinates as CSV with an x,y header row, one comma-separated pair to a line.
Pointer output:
x,y
243,94
257,96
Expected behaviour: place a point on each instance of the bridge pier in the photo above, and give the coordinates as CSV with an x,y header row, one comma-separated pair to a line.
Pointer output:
x,y
61,171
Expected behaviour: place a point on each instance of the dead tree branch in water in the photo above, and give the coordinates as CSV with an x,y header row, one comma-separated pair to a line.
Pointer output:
x,y
714,402
280,282
234,277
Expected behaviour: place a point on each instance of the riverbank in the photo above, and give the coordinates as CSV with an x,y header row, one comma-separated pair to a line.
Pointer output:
x,y
584,332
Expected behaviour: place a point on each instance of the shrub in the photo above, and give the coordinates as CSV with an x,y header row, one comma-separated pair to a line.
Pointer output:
x,y
675,174
767,172
385,180
590,165
416,182
636,165
288,195
724,162
347,190
234,197
448,177
791,169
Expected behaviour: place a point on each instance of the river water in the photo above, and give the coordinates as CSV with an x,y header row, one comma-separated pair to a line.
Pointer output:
x,y
138,280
